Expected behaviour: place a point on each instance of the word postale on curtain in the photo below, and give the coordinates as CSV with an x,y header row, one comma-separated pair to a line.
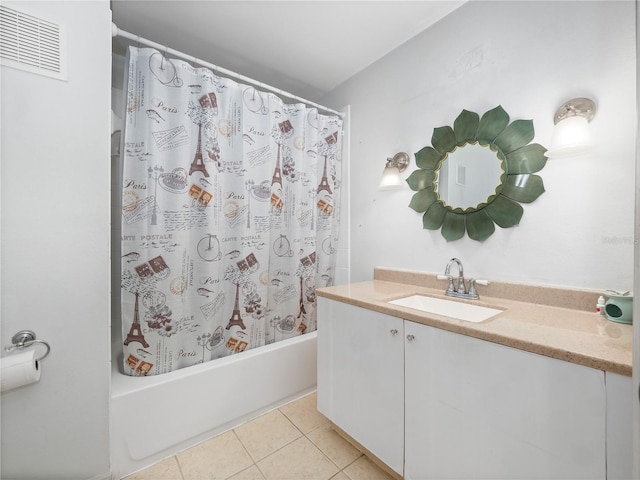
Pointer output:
x,y
230,206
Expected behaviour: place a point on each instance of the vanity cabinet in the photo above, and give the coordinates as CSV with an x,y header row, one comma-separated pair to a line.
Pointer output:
x,y
620,398
476,409
360,377
432,404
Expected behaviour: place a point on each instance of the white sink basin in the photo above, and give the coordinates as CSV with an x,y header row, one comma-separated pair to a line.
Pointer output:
x,y
447,308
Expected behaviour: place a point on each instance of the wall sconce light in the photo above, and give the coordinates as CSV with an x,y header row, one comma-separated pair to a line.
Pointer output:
x,y
571,134
391,173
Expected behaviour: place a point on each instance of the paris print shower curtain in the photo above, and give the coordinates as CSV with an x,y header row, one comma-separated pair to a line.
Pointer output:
x,y
230,206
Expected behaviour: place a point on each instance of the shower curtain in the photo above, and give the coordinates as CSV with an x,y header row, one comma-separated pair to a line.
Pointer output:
x,y
230,207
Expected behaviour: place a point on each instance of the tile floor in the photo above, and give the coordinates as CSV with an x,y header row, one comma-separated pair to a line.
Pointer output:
x,y
293,442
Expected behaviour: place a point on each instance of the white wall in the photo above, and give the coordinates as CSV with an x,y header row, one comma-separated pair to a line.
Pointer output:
x,y
528,57
55,250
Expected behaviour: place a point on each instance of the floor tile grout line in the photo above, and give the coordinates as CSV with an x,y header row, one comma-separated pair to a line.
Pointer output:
x,y
179,467
244,447
306,435
325,455
351,463
278,449
290,420
313,444
340,469
323,452
247,468
251,456
264,475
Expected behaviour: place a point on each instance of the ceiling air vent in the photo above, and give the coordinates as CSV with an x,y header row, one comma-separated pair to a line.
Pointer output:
x,y
32,44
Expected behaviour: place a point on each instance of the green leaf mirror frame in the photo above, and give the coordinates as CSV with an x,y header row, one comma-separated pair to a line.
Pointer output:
x,y
518,159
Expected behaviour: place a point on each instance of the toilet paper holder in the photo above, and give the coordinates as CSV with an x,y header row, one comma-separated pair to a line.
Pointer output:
x,y
25,339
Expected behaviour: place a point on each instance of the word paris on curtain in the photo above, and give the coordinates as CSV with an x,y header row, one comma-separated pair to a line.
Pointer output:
x,y
230,206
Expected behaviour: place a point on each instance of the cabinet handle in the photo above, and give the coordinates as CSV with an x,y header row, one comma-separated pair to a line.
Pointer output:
x,y
410,338
394,331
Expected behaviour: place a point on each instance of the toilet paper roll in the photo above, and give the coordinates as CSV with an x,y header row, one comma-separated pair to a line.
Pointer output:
x,y
18,370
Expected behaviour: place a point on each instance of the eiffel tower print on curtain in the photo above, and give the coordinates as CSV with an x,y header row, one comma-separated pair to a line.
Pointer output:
x,y
198,164
135,332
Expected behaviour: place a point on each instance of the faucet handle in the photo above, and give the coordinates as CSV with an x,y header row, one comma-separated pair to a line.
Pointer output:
x,y
451,288
472,285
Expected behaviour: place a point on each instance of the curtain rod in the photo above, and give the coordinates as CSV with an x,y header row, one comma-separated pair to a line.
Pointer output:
x,y
116,32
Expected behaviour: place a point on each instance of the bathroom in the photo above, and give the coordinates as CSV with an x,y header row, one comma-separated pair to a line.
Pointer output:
x,y
528,57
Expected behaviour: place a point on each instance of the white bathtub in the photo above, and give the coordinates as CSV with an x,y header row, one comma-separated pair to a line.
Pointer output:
x,y
155,417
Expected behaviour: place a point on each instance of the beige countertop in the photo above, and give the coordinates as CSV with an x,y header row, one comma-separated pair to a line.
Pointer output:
x,y
578,336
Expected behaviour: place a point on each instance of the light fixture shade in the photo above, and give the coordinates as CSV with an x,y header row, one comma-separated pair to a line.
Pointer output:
x,y
571,134
570,137
390,179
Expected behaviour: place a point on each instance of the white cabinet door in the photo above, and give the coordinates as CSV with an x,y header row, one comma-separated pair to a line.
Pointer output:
x,y
620,400
478,410
361,375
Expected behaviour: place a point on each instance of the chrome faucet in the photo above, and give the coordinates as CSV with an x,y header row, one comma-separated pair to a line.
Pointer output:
x,y
460,291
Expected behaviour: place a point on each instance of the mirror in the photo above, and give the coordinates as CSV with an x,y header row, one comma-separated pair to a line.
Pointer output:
x,y
468,176
496,164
